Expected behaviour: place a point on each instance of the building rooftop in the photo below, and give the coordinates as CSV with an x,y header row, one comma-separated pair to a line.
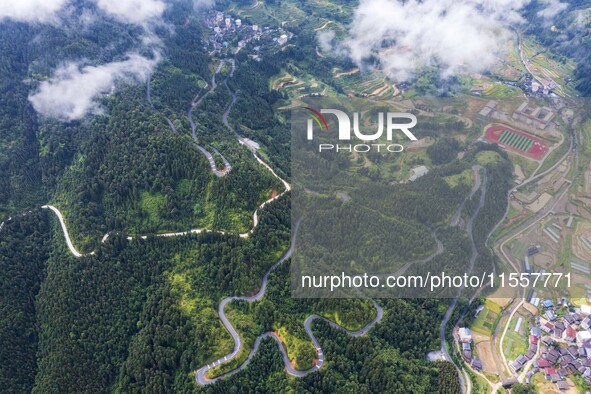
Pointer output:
x,y
418,172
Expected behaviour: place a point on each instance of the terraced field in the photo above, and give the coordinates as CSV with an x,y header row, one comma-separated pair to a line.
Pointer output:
x,y
485,321
374,84
546,68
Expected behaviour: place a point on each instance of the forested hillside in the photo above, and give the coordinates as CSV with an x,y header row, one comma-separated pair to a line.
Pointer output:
x,y
19,153
568,37
28,235
138,312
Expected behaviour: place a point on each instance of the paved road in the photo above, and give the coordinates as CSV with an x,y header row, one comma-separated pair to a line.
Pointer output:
x,y
241,140
195,103
500,250
227,167
406,266
149,98
454,222
287,188
502,352
466,384
65,231
498,247
227,112
2,224
532,178
526,62
477,181
201,372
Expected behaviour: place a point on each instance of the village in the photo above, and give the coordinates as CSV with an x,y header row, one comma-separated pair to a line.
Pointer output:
x,y
542,334
558,345
230,35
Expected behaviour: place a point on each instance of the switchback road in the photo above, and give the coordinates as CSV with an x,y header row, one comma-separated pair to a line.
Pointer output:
x,y
200,374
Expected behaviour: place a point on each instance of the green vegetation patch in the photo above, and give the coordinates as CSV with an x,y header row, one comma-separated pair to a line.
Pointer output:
x,y
515,343
284,317
501,91
487,157
152,205
487,318
463,178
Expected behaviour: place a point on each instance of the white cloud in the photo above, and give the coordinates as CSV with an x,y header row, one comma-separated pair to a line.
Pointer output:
x,y
74,90
325,40
132,11
129,11
31,10
553,7
456,35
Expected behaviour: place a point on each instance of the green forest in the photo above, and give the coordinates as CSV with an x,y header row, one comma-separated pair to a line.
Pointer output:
x,y
141,315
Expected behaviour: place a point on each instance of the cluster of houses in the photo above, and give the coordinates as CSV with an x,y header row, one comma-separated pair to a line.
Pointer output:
x,y
531,352
464,337
234,34
565,345
532,88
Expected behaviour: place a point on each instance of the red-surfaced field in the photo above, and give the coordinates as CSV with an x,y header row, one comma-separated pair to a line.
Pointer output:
x,y
516,140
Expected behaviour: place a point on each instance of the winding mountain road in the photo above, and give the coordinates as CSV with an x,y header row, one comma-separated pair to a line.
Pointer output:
x,y
406,266
65,230
241,140
454,222
200,374
227,167
479,183
195,103
149,98
255,219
